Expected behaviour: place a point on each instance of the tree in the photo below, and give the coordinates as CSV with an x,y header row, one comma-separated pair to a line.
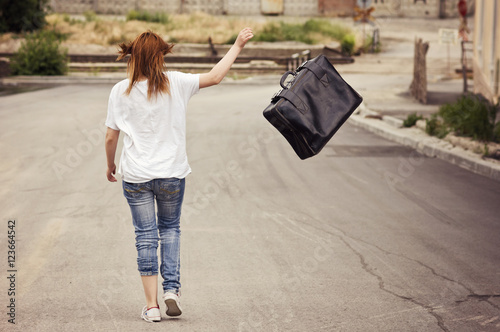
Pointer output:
x,y
22,15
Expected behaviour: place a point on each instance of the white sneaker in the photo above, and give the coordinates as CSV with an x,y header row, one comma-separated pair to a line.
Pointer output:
x,y
151,315
172,303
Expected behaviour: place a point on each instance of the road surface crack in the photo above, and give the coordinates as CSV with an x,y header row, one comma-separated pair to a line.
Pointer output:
x,y
472,294
381,284
480,297
345,238
366,267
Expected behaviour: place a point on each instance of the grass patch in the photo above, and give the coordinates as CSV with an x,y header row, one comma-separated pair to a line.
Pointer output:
x,y
143,15
68,19
192,28
113,39
281,31
310,32
90,16
335,31
369,47
411,120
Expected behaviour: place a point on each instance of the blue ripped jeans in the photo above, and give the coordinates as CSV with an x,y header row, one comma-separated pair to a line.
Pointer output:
x,y
141,197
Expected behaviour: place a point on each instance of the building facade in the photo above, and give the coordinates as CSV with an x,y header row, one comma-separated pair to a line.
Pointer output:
x,y
418,8
214,7
486,62
394,8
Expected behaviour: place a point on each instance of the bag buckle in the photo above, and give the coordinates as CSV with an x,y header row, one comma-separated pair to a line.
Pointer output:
x,y
299,68
276,97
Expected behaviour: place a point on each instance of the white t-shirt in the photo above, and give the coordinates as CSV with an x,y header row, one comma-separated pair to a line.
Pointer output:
x,y
154,142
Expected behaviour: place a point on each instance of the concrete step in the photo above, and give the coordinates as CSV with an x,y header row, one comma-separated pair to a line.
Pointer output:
x,y
252,67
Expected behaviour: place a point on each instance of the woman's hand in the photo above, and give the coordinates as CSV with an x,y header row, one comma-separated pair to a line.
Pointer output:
x,y
110,143
220,70
244,36
110,172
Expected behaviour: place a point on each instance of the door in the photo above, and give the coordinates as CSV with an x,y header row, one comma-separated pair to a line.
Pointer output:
x,y
271,7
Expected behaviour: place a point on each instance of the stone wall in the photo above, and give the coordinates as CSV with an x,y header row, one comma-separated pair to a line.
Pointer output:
x,y
336,7
242,7
301,8
398,8
415,8
112,6
72,6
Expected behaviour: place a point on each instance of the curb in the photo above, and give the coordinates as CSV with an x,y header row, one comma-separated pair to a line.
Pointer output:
x,y
113,78
59,80
428,145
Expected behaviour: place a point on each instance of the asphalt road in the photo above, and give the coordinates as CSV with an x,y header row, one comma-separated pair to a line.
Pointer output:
x,y
366,236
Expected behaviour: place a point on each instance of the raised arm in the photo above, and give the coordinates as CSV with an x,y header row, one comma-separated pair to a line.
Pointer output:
x,y
220,70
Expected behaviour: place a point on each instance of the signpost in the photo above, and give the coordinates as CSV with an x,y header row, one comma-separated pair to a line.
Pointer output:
x,y
363,14
463,29
448,37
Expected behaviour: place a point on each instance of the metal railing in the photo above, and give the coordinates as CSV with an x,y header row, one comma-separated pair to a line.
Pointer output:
x,y
297,59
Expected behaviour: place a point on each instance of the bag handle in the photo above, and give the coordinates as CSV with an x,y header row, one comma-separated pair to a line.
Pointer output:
x,y
285,76
317,70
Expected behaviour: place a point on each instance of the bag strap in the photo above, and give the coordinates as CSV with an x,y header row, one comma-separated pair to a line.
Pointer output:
x,y
317,70
295,100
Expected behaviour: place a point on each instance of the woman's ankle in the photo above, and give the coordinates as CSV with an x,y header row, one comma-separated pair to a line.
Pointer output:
x,y
152,305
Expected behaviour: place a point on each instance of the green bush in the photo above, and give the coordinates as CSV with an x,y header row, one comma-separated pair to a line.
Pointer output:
x,y
270,33
40,54
496,132
175,40
274,32
347,44
473,116
113,40
368,46
232,39
90,16
26,15
70,20
156,17
282,31
434,127
336,31
411,120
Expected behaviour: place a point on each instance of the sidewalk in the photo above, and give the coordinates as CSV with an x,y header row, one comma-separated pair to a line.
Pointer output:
x,y
384,79
425,144
387,102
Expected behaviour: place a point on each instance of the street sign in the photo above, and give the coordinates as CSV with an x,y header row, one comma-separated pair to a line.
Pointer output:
x,y
364,15
448,36
462,8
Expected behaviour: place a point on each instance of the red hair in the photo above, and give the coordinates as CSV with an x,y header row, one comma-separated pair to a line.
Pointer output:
x,y
146,59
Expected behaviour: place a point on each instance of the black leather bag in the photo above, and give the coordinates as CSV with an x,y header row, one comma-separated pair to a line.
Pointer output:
x,y
310,109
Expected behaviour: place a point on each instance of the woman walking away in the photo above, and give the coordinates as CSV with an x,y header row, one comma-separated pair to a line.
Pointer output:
x,y
150,109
